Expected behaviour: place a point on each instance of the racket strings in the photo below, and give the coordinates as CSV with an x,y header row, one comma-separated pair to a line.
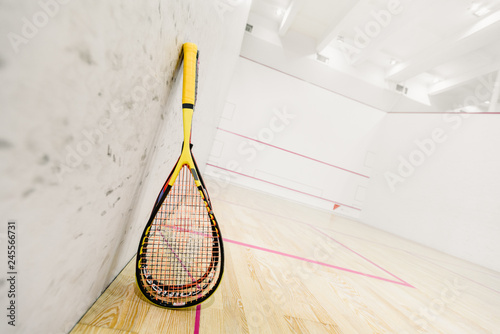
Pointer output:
x,y
182,247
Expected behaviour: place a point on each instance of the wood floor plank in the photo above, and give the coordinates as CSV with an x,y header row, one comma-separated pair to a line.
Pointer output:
x,y
159,320
234,317
88,329
299,325
120,307
295,269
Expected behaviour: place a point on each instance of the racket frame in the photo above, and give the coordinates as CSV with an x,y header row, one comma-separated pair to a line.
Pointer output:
x,y
189,56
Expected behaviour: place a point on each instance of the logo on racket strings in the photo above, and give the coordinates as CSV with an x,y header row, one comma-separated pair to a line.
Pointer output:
x,y
174,294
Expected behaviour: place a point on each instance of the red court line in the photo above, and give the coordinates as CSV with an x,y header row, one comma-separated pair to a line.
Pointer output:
x,y
444,112
425,258
437,263
197,320
315,228
361,256
429,260
298,154
317,262
278,185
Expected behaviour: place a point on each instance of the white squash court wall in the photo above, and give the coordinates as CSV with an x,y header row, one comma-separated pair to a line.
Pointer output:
x,y
282,135
449,193
90,128
449,202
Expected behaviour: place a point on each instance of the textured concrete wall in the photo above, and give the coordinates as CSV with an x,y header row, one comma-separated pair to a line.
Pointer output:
x,y
90,127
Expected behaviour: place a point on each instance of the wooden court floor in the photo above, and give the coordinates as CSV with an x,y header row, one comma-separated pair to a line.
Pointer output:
x,y
295,269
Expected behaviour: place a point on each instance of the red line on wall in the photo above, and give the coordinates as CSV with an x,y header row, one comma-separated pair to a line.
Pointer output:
x,y
278,185
288,151
444,112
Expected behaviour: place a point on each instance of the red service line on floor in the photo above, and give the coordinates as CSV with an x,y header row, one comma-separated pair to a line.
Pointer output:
x,y
437,263
319,231
361,256
291,152
317,262
278,185
425,258
197,320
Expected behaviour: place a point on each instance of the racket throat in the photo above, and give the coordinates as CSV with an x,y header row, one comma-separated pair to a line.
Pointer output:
x,y
187,146
187,118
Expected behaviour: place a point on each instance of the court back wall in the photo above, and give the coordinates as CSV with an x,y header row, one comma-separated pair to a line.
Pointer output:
x,y
445,198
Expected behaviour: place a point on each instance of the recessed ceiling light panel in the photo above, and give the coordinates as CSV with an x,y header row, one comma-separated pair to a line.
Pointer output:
x,y
479,8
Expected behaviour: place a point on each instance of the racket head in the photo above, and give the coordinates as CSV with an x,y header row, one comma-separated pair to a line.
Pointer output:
x,y
180,260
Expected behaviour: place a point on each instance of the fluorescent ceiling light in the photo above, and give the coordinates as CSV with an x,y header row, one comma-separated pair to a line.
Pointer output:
x,y
322,58
479,9
482,11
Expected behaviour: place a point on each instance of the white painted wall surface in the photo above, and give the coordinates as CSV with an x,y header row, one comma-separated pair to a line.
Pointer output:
x,y
449,202
89,130
435,181
283,135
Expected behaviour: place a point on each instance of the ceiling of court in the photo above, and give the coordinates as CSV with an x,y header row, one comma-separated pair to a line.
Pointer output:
x,y
450,47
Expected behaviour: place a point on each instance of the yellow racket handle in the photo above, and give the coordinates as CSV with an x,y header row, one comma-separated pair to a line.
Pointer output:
x,y
189,76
